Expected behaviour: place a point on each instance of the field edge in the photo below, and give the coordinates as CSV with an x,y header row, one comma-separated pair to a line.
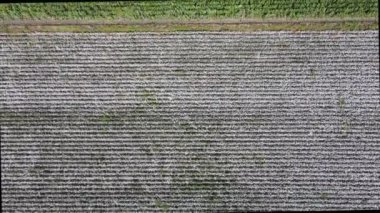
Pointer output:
x,y
243,25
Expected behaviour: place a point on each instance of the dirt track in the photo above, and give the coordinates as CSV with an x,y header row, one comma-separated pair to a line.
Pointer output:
x,y
168,22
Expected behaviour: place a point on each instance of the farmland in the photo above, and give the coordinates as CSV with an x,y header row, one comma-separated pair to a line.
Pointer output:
x,y
173,106
193,120
176,16
190,9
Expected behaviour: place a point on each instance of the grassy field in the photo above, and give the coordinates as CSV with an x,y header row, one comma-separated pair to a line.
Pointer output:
x,y
190,9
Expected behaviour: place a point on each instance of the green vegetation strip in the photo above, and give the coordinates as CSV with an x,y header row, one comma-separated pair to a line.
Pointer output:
x,y
190,10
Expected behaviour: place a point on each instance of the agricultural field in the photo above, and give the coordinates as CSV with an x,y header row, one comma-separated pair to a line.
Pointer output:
x,y
185,105
191,9
356,14
201,121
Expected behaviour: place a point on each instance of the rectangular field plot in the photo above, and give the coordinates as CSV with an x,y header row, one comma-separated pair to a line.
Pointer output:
x,y
124,122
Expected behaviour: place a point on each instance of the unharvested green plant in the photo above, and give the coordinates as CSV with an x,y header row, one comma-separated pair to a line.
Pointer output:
x,y
342,103
164,207
313,74
179,72
324,195
345,127
259,160
150,98
105,118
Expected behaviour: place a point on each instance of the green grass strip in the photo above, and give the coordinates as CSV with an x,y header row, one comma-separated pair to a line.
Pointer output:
x,y
190,10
